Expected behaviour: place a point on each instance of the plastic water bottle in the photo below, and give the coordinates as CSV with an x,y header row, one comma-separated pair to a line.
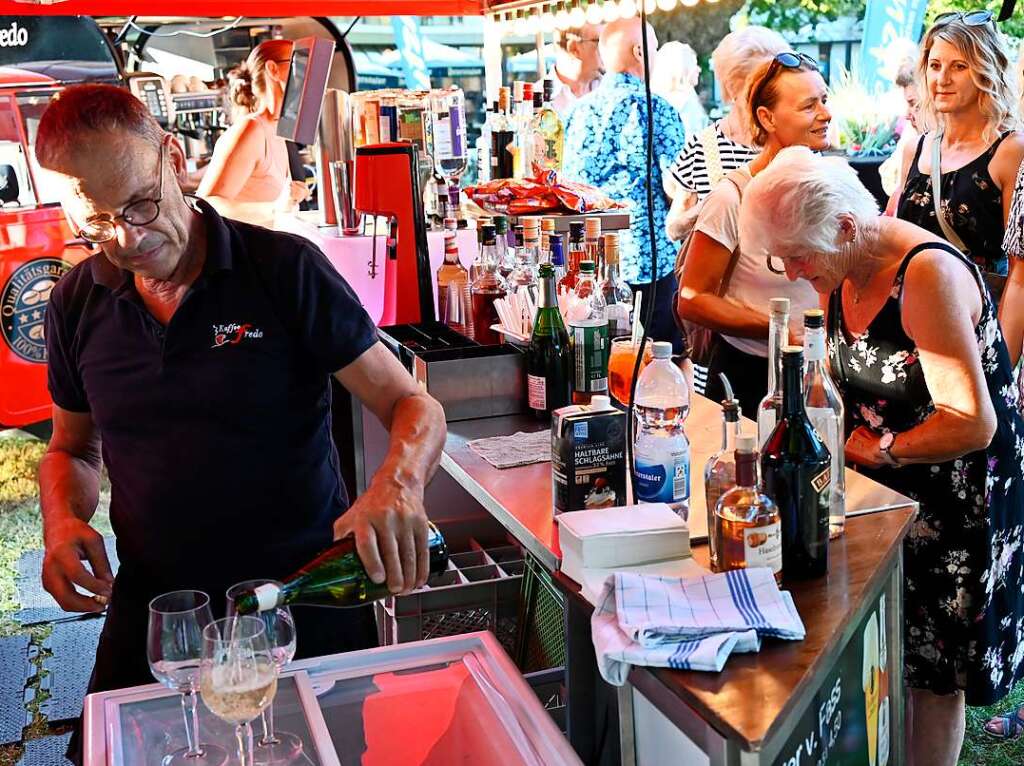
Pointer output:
x,y
661,452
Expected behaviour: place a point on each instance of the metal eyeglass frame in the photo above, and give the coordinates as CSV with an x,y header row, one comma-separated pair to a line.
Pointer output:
x,y
108,223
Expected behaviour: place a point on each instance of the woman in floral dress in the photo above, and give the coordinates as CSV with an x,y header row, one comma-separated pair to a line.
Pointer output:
x,y
918,355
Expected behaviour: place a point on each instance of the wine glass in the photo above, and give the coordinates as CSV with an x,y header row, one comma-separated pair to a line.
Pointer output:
x,y
237,675
274,747
174,646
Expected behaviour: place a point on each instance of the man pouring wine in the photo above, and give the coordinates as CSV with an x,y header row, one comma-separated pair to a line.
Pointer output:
x,y
217,441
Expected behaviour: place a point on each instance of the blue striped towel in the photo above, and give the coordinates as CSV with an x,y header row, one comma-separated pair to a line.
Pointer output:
x,y
688,624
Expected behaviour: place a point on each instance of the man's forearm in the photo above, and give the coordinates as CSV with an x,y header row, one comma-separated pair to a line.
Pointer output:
x,y
67,485
417,436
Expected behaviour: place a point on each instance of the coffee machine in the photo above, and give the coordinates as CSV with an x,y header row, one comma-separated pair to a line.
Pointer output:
x,y
387,185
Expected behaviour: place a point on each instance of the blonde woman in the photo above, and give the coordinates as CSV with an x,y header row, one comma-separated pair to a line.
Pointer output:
x,y
722,286
969,105
924,373
727,144
248,175
675,76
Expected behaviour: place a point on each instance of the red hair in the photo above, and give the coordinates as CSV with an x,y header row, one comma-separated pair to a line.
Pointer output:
x,y
82,109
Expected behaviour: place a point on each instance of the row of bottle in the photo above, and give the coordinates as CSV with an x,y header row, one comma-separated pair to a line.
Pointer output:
x,y
522,134
800,503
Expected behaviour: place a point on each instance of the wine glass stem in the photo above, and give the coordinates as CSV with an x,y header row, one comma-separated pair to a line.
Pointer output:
x,y
243,733
190,711
268,738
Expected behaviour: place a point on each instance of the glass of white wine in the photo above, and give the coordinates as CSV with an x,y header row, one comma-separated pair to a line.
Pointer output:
x,y
174,646
274,748
237,675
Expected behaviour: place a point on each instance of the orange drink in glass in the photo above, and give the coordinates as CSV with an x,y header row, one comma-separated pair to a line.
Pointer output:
x,y
621,361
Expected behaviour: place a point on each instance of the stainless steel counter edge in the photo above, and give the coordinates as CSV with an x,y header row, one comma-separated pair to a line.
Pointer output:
x,y
503,516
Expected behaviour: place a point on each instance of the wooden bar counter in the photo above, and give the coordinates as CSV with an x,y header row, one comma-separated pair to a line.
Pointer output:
x,y
793,703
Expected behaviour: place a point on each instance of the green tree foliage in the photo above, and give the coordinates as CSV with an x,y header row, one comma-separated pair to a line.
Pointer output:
x,y
792,15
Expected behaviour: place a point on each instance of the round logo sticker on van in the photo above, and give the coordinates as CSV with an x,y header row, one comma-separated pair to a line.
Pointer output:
x,y
23,306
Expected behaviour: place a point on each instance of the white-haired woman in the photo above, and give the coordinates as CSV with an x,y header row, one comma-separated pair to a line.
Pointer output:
x,y
674,78
727,144
916,350
722,287
968,101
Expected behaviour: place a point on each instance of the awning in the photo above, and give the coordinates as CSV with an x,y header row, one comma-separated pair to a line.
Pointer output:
x,y
527,61
439,57
257,8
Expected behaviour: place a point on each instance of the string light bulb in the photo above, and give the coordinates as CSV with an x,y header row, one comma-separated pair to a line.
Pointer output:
x,y
650,6
547,21
562,21
691,3
577,18
609,12
594,13
627,9
666,5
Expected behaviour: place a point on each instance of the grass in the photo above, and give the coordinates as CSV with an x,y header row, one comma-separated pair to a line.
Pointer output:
x,y
21,530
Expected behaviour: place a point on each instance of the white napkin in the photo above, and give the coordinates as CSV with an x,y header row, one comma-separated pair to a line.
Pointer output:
x,y
691,624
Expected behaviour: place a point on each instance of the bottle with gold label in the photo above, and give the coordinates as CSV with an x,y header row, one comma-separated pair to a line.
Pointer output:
x,y
548,134
747,527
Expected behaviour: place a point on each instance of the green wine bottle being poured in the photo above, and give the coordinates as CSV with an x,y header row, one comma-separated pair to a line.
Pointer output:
x,y
336,577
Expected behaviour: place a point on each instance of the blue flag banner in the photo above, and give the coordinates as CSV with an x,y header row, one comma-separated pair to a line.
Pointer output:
x,y
887,23
409,43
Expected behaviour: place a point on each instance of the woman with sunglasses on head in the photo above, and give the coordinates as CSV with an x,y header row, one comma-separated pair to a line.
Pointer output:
x,y
248,177
969,109
724,288
915,349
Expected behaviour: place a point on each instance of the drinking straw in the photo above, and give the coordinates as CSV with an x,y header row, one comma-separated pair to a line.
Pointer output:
x,y
637,327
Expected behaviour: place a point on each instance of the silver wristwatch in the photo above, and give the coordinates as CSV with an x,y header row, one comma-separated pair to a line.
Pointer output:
x,y
884,445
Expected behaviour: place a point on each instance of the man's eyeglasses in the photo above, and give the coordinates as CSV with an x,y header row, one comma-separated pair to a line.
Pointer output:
x,y
103,228
968,18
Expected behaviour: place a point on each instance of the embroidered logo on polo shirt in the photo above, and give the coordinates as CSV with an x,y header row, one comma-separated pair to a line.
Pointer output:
x,y
23,306
233,334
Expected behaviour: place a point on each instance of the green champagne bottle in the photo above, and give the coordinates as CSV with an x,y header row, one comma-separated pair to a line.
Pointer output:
x,y
336,577
549,358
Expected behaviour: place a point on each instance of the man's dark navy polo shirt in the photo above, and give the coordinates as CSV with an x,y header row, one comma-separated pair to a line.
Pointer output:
x,y
216,429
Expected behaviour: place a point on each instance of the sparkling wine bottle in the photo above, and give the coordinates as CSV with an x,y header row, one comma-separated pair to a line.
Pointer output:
x,y
549,358
336,577
796,467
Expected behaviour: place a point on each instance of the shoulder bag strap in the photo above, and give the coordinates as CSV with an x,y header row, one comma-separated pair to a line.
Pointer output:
x,y
712,157
947,230
737,179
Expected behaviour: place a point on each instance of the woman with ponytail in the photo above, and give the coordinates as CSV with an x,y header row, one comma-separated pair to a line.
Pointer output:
x,y
248,175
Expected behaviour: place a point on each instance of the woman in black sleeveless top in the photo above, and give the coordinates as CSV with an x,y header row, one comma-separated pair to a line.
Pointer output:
x,y
968,104
917,353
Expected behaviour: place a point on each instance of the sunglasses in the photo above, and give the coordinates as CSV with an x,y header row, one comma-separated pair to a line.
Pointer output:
x,y
784,60
967,18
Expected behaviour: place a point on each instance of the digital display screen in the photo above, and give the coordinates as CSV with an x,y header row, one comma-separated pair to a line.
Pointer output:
x,y
293,88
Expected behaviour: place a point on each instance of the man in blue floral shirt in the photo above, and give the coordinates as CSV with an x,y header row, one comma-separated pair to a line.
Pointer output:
x,y
606,146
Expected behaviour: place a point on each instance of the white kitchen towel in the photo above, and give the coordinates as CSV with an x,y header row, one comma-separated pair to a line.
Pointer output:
x,y
689,624
511,451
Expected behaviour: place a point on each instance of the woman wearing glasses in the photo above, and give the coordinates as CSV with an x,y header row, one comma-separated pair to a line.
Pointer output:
x,y
248,176
970,110
916,351
724,288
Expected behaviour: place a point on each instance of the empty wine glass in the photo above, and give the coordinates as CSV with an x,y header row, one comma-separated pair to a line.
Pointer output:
x,y
174,646
237,675
274,747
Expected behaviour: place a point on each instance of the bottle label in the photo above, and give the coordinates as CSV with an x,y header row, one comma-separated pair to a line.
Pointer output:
x,y
814,346
766,422
536,392
267,596
662,475
762,547
618,320
590,357
820,482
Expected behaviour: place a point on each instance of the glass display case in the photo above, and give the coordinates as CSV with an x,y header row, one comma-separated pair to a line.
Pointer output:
x,y
449,700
